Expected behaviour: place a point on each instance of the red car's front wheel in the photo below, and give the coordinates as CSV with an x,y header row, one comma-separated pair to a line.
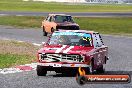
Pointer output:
x,y
41,71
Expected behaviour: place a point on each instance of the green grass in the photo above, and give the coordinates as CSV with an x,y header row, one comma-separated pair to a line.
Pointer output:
x,y
113,25
19,5
21,21
106,25
8,60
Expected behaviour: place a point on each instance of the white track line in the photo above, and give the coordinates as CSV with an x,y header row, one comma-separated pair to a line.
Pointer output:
x,y
36,44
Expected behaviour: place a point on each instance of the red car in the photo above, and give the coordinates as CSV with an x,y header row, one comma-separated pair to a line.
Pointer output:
x,y
66,50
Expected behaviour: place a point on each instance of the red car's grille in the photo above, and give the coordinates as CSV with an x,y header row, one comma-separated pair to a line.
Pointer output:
x,y
61,57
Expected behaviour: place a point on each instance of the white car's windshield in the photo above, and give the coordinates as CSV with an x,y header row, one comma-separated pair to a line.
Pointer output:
x,y
70,38
61,19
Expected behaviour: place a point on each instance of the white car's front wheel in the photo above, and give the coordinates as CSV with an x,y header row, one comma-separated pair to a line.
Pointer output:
x,y
44,32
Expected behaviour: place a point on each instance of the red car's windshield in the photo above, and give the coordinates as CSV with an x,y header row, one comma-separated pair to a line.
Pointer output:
x,y
70,38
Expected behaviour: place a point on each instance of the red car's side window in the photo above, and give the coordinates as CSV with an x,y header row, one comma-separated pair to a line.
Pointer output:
x,y
97,40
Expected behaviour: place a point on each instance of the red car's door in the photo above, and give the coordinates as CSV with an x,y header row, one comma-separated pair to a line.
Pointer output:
x,y
99,49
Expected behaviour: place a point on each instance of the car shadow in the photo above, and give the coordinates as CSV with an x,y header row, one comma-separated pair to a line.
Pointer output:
x,y
118,72
106,73
62,75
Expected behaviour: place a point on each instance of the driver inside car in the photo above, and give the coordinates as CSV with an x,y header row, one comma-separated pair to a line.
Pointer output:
x,y
64,40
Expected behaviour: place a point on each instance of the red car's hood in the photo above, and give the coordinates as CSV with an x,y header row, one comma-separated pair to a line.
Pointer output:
x,y
65,49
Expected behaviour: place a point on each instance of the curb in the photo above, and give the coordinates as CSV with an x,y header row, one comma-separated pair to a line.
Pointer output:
x,y
21,68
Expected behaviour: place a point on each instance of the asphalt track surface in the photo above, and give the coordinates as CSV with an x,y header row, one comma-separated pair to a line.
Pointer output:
x,y
120,62
80,14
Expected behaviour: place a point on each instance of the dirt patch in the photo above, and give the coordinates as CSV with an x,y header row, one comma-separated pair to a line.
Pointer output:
x,y
20,48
